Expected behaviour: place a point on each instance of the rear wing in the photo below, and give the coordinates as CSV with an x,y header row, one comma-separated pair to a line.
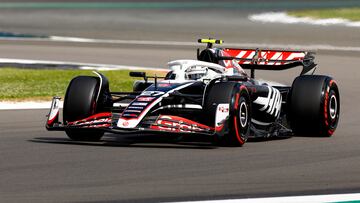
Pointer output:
x,y
263,59
268,59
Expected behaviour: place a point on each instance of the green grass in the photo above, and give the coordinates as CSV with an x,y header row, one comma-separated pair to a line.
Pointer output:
x,y
32,84
352,14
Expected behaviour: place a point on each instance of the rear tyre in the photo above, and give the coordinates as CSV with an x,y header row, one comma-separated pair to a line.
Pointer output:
x,y
79,103
235,129
314,106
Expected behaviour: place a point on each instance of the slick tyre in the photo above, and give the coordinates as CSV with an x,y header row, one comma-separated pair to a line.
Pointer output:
x,y
235,129
314,108
79,103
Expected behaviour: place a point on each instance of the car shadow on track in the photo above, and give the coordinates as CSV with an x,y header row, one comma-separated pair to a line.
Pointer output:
x,y
154,141
261,139
133,142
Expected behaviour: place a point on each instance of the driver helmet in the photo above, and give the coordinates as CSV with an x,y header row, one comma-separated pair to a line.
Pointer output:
x,y
196,72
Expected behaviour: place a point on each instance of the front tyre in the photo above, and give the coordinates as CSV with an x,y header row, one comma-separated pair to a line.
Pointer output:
x,y
314,105
79,103
231,98
239,119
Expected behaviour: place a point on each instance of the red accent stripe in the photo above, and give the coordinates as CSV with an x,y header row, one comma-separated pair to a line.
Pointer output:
x,y
326,107
245,56
330,131
238,136
219,128
237,131
268,55
98,126
285,56
93,117
50,122
237,101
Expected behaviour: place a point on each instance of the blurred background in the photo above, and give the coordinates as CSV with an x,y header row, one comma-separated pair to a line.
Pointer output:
x,y
149,34
173,20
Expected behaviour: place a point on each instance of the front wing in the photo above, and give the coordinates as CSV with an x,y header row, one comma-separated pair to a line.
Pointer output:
x,y
107,122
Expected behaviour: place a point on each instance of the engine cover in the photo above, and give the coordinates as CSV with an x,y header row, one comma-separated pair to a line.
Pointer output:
x,y
266,104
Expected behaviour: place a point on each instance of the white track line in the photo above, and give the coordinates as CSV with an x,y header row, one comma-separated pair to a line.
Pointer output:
x,y
292,199
325,47
26,105
283,17
83,66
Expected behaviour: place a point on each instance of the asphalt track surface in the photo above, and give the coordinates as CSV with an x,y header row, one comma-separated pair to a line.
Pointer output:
x,y
41,166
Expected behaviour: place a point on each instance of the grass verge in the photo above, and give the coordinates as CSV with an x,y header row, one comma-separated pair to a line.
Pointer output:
x,y
352,14
40,85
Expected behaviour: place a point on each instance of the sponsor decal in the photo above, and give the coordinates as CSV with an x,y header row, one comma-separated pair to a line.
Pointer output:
x,y
264,57
125,123
134,121
99,126
130,115
139,104
178,124
223,109
135,111
135,107
272,103
145,99
152,93
93,122
164,84
222,113
97,118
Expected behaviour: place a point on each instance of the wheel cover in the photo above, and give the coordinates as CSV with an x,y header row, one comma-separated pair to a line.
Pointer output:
x,y
243,114
333,107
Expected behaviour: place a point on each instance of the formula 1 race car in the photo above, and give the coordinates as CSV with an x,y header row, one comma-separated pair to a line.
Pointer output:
x,y
212,96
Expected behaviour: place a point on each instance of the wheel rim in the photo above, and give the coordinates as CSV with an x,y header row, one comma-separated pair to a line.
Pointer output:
x,y
333,106
243,114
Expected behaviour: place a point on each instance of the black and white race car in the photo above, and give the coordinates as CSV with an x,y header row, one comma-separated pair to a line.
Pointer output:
x,y
210,96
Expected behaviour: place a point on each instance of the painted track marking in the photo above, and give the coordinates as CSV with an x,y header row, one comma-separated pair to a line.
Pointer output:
x,y
292,199
283,17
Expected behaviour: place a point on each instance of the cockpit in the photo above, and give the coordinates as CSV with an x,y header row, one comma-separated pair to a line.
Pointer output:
x,y
182,70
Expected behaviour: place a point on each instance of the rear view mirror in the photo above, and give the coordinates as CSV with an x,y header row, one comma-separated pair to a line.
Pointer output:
x,y
138,74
